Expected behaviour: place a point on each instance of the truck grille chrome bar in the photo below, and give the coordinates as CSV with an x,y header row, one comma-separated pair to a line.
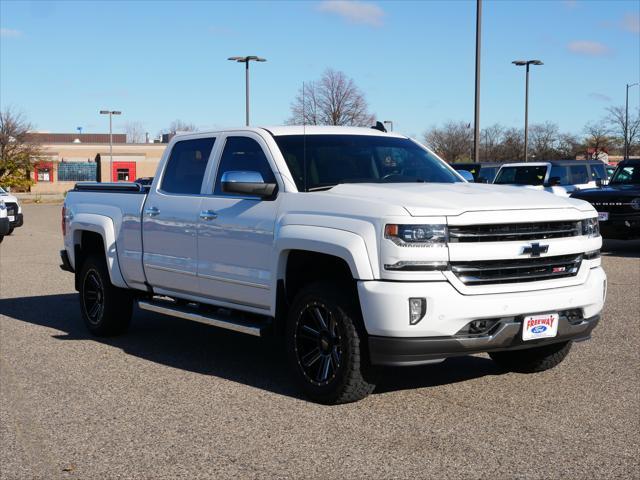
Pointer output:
x,y
514,232
520,270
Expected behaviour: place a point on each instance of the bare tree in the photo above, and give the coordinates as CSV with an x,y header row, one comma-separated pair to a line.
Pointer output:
x,y
135,132
512,147
490,142
544,141
180,126
453,142
598,139
616,120
18,152
569,146
333,100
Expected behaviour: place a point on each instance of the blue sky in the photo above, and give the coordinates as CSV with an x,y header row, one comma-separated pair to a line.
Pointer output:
x,y
61,62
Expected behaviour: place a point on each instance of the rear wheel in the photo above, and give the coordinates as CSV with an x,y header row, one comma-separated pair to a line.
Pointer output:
x,y
325,346
531,360
105,308
10,230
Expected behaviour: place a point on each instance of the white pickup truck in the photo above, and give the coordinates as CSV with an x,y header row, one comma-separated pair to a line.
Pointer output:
x,y
361,248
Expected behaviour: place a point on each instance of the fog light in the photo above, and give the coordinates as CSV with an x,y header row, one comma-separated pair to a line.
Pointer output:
x,y
417,309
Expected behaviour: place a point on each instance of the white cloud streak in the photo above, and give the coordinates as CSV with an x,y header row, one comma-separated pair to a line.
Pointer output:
x,y
10,33
587,47
354,11
600,96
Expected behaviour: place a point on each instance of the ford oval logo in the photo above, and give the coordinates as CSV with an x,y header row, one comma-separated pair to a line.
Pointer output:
x,y
539,329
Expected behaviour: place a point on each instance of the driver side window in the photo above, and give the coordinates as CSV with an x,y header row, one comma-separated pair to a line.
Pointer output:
x,y
246,155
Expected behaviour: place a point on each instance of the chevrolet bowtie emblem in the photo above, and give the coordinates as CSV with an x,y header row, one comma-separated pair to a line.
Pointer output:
x,y
535,249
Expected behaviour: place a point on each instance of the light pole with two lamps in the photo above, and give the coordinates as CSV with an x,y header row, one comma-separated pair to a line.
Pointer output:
x,y
626,121
526,63
110,113
246,61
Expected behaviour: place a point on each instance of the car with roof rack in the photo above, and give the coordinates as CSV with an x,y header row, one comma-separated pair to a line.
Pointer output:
x,y
360,248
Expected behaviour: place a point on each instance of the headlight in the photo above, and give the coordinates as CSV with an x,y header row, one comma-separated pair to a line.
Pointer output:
x,y
416,235
590,227
635,203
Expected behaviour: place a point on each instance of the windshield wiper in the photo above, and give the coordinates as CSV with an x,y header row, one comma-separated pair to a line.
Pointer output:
x,y
319,189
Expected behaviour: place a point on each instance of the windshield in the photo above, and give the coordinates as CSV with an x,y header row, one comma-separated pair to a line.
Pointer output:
x,y
525,175
332,159
2,190
627,175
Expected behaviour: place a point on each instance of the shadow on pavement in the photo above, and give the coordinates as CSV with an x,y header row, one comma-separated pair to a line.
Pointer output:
x,y
194,347
621,248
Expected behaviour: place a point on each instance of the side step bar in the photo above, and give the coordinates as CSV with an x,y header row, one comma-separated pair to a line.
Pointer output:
x,y
209,318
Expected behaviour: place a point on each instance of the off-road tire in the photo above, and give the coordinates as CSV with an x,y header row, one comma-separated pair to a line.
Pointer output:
x,y
531,360
11,229
105,308
352,378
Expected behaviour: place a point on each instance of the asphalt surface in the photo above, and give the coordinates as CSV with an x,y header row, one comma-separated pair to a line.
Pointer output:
x,y
174,399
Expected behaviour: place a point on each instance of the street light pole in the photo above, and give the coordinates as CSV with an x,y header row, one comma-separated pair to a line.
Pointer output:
x,y
626,122
246,61
110,113
476,126
526,63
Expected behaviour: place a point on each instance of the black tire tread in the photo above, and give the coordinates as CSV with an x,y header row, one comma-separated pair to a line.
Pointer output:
x,y
532,360
118,307
358,380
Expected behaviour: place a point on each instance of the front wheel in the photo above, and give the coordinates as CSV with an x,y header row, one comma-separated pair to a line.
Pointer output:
x,y
531,360
325,346
105,308
11,229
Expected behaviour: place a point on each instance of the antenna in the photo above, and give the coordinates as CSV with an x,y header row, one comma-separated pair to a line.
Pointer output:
x,y
304,140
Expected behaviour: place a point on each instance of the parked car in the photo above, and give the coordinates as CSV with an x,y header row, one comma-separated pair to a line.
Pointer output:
x,y
361,248
13,213
560,177
483,172
618,204
144,180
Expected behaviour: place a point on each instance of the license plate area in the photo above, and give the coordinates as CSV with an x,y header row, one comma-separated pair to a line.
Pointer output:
x,y
540,326
12,218
603,216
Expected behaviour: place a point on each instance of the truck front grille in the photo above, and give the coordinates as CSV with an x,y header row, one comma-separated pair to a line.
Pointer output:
x,y
12,209
520,270
514,231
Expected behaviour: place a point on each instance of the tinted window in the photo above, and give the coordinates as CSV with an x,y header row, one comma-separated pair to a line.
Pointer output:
x,y
560,172
488,173
186,166
525,175
328,160
243,154
629,175
598,172
578,174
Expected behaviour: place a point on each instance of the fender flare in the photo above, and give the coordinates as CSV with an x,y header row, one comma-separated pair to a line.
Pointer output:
x,y
103,226
343,244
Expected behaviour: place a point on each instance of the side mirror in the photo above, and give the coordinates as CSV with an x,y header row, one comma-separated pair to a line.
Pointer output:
x,y
247,183
468,176
553,182
598,182
482,180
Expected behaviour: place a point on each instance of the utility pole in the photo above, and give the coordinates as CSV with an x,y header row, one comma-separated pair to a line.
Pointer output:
x,y
526,63
626,122
476,130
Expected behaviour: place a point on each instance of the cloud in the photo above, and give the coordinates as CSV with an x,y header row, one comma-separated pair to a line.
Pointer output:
x,y
631,23
10,33
354,11
587,47
601,97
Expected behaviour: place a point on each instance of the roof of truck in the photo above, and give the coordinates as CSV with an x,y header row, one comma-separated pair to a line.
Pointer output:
x,y
280,130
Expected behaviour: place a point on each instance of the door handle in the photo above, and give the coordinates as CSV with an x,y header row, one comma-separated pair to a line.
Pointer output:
x,y
208,215
151,211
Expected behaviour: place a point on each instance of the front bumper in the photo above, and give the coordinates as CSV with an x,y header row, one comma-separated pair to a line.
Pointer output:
x,y
5,226
621,226
505,336
18,222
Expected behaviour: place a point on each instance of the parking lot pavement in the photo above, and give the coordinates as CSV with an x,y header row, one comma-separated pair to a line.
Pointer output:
x,y
174,399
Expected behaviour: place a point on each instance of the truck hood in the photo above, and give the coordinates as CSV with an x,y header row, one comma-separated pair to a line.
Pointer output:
x,y
426,199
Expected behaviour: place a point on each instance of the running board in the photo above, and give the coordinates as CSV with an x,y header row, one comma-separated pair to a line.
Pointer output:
x,y
209,318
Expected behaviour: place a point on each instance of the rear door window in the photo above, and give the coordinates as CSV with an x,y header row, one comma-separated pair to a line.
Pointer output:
x,y
578,174
561,173
186,166
598,172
